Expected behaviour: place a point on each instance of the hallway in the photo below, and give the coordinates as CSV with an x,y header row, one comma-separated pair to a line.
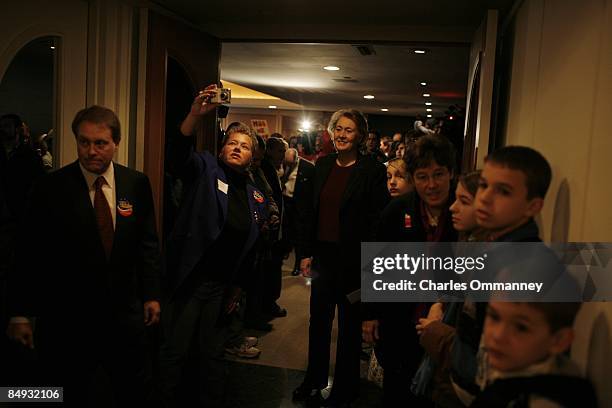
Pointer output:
x,y
269,380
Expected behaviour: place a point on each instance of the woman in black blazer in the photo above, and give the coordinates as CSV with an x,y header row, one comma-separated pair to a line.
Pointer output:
x,y
419,216
348,196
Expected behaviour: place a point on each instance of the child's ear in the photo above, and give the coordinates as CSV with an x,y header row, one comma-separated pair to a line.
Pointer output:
x,y
535,206
562,341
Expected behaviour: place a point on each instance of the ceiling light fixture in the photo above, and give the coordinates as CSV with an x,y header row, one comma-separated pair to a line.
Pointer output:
x,y
368,96
429,116
52,47
423,83
384,109
426,95
429,110
428,103
272,106
419,51
331,68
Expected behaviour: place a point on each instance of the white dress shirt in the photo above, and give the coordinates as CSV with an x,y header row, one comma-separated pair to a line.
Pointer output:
x,y
291,179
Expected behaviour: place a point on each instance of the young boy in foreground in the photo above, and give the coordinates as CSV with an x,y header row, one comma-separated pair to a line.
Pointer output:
x,y
526,364
511,191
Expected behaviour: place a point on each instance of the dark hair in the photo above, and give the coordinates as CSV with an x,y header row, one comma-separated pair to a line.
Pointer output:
x,y
375,133
469,181
355,116
411,134
261,143
239,127
558,315
431,122
535,167
429,149
16,119
275,141
98,115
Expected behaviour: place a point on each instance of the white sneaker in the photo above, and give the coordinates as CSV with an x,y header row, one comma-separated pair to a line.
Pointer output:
x,y
251,341
244,351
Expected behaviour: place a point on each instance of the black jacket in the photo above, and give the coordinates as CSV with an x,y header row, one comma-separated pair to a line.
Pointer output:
x,y
63,275
399,345
304,180
393,226
362,203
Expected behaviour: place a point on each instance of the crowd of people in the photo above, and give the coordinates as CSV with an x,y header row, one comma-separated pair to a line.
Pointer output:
x,y
94,288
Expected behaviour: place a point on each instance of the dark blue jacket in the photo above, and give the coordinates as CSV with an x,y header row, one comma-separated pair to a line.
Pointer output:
x,y
203,214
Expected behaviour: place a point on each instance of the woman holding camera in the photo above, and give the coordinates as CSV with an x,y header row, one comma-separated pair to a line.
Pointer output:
x,y
208,253
348,196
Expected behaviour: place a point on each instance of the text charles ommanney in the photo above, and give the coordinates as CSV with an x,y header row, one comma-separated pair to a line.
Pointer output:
x,y
429,285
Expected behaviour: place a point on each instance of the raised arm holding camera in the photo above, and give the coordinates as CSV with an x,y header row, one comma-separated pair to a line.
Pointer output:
x,y
209,251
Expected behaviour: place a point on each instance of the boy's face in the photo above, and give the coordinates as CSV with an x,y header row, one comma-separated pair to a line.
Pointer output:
x,y
501,199
517,335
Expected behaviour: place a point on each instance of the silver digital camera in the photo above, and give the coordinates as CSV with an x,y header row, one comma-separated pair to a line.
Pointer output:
x,y
222,95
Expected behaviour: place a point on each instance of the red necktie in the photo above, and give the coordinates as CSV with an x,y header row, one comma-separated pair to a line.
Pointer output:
x,y
103,217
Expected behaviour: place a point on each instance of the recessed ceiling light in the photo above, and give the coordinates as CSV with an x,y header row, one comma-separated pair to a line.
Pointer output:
x,y
368,96
385,110
52,47
429,116
419,51
428,103
423,83
331,68
272,106
426,95
429,110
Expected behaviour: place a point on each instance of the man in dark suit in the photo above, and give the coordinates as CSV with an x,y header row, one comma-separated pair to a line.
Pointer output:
x,y
93,284
297,189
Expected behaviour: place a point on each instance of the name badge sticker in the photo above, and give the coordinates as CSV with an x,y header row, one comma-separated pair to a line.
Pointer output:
x,y
222,186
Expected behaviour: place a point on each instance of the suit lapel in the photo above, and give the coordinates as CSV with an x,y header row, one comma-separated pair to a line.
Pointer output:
x,y
353,182
298,179
122,193
324,169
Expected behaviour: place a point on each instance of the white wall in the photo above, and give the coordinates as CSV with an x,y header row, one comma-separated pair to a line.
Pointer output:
x,y
560,104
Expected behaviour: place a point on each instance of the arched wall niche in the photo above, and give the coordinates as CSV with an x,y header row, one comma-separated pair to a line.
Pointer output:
x,y
28,20
28,88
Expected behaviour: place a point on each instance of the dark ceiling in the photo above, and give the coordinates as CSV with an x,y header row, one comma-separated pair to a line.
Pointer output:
x,y
280,47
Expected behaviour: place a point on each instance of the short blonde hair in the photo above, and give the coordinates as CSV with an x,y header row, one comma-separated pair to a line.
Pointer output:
x,y
355,116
